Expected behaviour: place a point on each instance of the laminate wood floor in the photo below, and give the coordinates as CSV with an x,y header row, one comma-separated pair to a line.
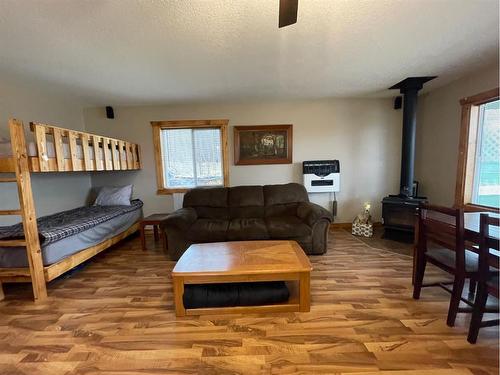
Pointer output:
x,y
115,316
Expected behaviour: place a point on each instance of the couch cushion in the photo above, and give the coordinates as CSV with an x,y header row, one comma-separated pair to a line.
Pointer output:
x,y
284,194
289,209
209,203
208,197
206,212
246,212
287,227
208,230
246,196
246,202
247,229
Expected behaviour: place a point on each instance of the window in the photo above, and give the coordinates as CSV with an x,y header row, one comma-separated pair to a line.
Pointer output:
x,y
478,177
486,186
190,154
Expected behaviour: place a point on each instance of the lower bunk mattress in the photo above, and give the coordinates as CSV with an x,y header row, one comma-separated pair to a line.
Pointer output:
x,y
52,252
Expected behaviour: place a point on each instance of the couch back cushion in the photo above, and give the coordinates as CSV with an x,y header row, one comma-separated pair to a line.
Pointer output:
x,y
209,203
282,200
246,202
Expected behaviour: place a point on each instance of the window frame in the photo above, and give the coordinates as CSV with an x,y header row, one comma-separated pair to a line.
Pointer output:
x,y
158,126
467,149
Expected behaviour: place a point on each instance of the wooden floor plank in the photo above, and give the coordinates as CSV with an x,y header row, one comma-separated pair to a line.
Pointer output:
x,y
115,315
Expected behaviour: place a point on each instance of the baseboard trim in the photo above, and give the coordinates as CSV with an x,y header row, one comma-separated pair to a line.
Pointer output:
x,y
341,226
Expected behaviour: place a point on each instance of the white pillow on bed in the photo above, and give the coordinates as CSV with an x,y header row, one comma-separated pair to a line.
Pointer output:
x,y
114,196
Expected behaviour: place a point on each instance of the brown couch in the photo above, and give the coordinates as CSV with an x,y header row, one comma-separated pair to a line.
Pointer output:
x,y
248,213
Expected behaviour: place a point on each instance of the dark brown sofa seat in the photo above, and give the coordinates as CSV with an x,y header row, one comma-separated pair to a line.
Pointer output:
x,y
243,213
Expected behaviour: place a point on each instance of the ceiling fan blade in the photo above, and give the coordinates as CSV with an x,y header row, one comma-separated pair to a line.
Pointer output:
x,y
288,12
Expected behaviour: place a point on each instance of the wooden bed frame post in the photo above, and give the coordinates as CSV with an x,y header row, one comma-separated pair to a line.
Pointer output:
x,y
27,205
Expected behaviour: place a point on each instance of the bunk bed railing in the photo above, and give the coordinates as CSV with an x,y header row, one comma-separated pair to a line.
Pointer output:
x,y
87,151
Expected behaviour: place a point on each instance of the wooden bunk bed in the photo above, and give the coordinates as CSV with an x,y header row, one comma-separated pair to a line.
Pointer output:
x,y
97,153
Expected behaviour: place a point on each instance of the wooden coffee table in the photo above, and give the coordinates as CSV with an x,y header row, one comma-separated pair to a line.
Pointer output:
x,y
244,261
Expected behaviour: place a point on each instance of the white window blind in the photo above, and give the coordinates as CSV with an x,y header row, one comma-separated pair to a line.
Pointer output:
x,y
191,157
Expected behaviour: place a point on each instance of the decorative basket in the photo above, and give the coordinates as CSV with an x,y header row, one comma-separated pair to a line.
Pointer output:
x,y
365,230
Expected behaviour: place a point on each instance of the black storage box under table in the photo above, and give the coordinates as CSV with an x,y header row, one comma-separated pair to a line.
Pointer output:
x,y
235,294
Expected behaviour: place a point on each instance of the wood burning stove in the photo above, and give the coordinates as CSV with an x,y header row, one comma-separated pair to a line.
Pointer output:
x,y
399,216
398,211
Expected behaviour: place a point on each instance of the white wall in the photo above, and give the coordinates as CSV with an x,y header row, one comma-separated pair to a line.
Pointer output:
x,y
364,134
52,192
438,133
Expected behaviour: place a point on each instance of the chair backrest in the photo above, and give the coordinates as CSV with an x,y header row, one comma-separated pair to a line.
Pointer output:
x,y
487,242
443,226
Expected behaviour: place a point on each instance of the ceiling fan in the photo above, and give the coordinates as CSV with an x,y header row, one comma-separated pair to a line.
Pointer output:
x,y
288,12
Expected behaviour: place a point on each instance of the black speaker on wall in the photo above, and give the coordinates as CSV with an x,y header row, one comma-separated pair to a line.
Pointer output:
x,y
398,102
110,113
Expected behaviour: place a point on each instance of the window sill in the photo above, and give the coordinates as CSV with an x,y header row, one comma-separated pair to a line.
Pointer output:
x,y
171,191
471,207
167,191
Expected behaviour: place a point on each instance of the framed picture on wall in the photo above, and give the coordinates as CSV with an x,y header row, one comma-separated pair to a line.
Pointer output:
x,y
263,144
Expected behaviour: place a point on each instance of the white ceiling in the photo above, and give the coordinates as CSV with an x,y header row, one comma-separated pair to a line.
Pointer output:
x,y
135,52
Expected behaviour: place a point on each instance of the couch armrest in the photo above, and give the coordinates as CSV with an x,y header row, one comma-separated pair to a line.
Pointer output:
x,y
311,213
182,218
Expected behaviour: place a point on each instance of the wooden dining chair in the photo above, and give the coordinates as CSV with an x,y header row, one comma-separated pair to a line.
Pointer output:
x,y
440,241
488,280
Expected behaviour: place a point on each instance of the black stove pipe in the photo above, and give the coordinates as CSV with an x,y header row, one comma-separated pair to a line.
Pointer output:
x,y
408,143
409,88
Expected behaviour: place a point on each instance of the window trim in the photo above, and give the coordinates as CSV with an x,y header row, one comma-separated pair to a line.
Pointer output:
x,y
466,153
157,126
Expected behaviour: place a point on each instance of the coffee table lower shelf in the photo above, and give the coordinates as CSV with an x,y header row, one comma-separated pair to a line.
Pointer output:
x,y
298,286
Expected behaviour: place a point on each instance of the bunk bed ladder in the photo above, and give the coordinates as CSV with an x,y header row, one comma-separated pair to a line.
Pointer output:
x,y
26,211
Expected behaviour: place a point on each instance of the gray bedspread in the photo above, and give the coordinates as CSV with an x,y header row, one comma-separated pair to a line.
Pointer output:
x,y
64,224
55,251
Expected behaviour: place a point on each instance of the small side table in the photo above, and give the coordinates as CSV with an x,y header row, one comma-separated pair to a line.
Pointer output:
x,y
155,221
